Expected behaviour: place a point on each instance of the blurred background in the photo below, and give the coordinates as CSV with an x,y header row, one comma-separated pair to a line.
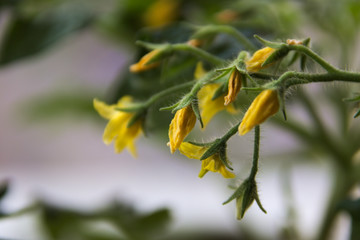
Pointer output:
x,y
58,180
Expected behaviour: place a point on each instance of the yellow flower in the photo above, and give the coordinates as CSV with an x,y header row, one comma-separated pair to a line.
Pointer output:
x,y
143,65
209,107
180,126
259,57
265,105
117,129
233,87
161,12
212,163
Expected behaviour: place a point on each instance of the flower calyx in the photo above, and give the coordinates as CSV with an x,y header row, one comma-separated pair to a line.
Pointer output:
x,y
245,195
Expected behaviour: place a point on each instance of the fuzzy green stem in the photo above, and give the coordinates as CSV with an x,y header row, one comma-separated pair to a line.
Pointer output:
x,y
303,49
255,164
198,52
291,78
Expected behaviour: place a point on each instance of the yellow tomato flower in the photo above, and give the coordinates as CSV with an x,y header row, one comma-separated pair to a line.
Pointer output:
x,y
117,129
180,126
233,87
259,57
209,107
142,64
265,105
212,163
161,12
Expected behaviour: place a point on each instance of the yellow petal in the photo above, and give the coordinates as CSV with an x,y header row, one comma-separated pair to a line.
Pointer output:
x,y
199,70
104,110
143,65
115,126
264,105
191,150
180,126
209,107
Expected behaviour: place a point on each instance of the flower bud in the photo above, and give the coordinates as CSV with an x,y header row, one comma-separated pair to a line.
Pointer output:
x,y
181,125
264,105
254,64
233,87
144,63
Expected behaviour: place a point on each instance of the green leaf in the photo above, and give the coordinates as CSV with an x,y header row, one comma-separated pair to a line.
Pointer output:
x,y
30,35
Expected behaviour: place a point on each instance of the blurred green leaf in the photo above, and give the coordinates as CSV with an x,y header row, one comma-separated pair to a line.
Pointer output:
x,y
29,35
58,104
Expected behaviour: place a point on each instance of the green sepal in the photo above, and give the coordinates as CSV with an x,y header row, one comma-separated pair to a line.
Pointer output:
x,y
303,57
223,156
214,148
293,59
276,55
267,43
164,50
169,108
238,192
184,102
257,199
220,91
195,107
224,72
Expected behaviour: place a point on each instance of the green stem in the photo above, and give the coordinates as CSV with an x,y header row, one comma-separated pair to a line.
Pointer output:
x,y
298,78
255,164
198,52
303,49
238,35
168,91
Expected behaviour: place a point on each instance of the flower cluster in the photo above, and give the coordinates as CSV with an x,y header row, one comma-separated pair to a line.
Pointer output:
x,y
211,92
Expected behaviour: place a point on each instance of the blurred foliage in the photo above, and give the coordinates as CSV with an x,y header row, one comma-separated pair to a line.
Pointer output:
x,y
115,221
27,35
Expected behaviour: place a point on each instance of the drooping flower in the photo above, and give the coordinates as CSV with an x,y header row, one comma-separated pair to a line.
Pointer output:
x,y
264,105
258,58
180,126
161,12
212,163
143,63
233,87
117,129
208,106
